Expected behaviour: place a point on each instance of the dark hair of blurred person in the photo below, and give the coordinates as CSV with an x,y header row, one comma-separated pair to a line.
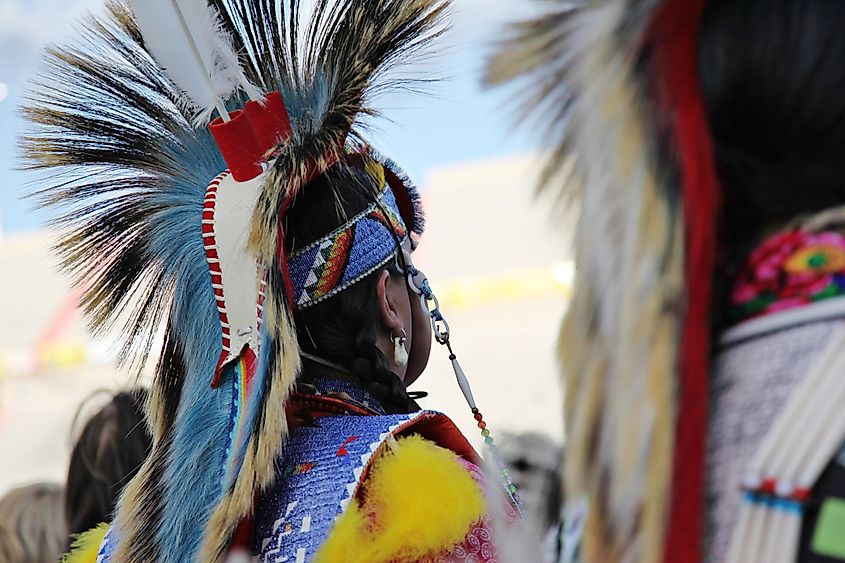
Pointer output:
x,y
32,524
108,453
772,85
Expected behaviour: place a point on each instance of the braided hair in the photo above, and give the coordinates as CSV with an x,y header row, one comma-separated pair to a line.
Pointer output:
x,y
344,327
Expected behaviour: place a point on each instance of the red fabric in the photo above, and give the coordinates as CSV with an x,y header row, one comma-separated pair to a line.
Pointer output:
x,y
673,41
441,430
478,545
242,539
269,121
238,145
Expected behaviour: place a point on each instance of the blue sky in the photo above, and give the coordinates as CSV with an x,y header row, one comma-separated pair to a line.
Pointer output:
x,y
457,120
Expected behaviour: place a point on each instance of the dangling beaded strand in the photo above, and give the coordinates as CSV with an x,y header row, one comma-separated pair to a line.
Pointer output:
x,y
494,452
442,334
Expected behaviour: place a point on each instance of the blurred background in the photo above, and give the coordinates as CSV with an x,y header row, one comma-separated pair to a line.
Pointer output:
x,y
492,253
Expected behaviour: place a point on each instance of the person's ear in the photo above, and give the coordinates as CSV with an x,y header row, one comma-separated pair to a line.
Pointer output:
x,y
388,310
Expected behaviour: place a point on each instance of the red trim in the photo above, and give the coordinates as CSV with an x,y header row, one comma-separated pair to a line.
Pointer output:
x,y
673,41
210,243
282,255
436,427
403,198
262,296
440,429
319,405
242,537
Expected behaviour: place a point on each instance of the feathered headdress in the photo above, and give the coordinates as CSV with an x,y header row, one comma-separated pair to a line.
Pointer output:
x,y
616,85
185,258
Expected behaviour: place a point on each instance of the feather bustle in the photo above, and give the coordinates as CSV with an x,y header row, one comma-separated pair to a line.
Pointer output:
x,y
265,446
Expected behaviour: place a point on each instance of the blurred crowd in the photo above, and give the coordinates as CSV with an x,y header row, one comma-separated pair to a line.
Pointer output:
x,y
39,522
42,522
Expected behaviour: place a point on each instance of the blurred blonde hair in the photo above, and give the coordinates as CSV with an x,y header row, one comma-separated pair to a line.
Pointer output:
x,y
32,524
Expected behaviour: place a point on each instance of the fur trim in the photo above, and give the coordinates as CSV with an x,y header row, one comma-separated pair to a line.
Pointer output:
x,y
385,526
620,338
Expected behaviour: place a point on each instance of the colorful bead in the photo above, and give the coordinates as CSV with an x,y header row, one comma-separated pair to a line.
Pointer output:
x,y
488,441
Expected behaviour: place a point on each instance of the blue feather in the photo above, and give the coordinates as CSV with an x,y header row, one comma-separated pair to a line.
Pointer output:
x,y
201,432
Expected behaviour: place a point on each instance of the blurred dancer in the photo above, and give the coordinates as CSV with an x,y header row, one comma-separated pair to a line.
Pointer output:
x,y
276,247
534,461
32,524
704,346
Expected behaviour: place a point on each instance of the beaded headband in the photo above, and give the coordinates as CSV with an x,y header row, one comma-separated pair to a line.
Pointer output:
x,y
348,254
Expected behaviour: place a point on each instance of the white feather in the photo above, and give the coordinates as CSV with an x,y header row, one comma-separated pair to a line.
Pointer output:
x,y
187,40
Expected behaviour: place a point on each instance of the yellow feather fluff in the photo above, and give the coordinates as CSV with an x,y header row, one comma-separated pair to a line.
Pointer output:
x,y
419,502
86,545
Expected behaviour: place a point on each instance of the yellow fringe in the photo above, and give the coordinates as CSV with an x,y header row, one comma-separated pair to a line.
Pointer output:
x,y
86,545
419,502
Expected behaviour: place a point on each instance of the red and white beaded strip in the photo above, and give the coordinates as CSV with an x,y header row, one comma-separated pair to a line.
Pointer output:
x,y
213,259
262,295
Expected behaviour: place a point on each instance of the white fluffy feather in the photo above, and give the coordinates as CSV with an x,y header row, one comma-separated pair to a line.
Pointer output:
x,y
202,62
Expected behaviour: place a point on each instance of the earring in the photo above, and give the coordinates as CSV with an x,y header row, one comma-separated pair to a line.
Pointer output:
x,y
400,355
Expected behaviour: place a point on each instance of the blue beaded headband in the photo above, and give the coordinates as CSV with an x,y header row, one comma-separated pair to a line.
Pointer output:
x,y
348,254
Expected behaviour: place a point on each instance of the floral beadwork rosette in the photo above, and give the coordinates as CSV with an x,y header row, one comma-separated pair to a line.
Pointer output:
x,y
789,270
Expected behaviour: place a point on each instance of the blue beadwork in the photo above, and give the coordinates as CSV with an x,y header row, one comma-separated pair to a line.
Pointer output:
x,y
104,555
317,476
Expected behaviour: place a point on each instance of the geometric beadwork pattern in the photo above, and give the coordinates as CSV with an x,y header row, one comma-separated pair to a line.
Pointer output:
x,y
348,254
317,475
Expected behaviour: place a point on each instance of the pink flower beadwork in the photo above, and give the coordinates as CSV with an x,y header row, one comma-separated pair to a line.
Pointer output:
x,y
790,270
